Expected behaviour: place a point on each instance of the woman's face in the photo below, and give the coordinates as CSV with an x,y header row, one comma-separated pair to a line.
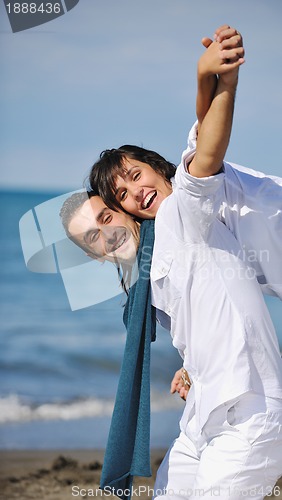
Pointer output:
x,y
141,190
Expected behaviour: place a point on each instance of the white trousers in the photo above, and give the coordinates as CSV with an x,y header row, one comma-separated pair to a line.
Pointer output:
x,y
238,455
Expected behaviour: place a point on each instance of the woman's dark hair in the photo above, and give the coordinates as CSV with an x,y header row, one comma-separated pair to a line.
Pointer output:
x,y
111,164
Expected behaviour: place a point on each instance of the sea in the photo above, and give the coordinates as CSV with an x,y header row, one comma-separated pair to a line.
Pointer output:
x,y
59,367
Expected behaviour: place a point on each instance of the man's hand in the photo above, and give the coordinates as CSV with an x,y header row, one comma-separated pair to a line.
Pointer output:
x,y
181,383
224,55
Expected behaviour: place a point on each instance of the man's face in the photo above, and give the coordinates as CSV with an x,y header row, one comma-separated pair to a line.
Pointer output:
x,y
104,233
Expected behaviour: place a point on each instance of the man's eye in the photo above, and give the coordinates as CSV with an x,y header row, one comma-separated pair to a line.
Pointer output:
x,y
94,237
136,176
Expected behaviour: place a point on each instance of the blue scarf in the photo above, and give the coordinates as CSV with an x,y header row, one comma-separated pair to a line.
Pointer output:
x,y
128,448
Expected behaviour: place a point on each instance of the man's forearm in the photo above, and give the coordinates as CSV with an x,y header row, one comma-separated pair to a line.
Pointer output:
x,y
214,135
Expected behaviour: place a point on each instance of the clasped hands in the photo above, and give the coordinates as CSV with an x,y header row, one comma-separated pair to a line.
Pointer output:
x,y
224,54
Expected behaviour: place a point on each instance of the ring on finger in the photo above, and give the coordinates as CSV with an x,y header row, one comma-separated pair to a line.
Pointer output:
x,y
185,378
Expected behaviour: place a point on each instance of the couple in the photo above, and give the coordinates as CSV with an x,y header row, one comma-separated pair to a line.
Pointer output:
x,y
209,216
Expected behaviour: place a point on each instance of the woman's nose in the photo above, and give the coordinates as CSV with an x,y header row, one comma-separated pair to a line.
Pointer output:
x,y
138,193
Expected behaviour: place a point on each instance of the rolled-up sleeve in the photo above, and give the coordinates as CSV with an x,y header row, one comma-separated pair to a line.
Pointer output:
x,y
191,142
198,198
192,137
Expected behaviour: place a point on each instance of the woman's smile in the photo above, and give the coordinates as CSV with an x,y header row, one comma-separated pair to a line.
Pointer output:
x,y
141,190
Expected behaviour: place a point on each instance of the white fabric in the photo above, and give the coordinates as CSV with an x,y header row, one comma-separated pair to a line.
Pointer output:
x,y
251,207
206,281
238,455
219,321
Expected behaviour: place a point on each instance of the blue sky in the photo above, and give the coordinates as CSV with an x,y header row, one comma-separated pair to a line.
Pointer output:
x,y
114,72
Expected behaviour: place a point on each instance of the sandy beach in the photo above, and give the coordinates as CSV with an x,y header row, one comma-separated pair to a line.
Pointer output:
x,y
60,475
66,475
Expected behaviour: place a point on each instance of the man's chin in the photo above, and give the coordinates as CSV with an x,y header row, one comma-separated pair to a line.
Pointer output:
x,y
123,258
125,253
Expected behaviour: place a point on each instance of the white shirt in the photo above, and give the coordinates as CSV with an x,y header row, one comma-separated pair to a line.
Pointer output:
x,y
251,207
219,321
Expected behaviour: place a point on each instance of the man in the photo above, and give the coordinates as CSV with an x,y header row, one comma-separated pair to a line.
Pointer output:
x,y
103,234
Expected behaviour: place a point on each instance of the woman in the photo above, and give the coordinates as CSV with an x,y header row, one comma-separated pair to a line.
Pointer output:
x,y
251,202
230,439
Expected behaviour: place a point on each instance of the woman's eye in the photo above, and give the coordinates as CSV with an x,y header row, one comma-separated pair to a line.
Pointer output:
x,y
136,176
122,195
107,219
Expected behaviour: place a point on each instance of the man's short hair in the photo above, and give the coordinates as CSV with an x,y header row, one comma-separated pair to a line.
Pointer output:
x,y
71,207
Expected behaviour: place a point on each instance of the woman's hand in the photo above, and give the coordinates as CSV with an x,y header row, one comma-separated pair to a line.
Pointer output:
x,y
223,55
181,383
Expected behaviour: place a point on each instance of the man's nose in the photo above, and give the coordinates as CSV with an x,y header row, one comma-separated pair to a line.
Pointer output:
x,y
110,234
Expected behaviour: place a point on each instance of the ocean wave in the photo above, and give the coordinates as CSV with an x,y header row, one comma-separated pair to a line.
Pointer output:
x,y
16,409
